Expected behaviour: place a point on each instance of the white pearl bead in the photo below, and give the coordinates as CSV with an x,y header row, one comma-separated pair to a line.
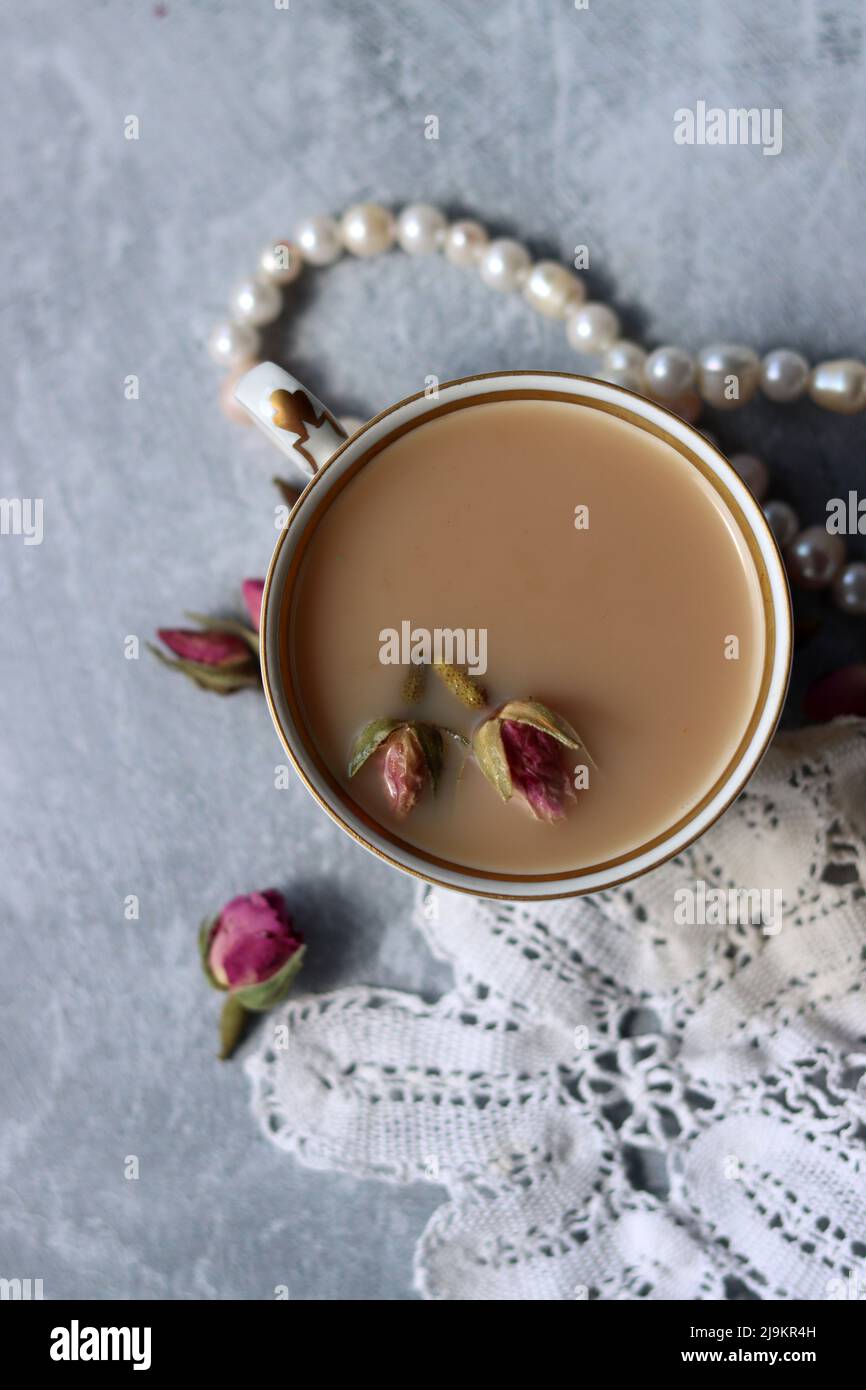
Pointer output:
x,y
229,343
421,229
591,327
464,242
255,301
849,591
815,558
319,240
552,289
839,385
728,375
367,229
504,264
669,371
782,520
624,356
281,262
784,375
753,472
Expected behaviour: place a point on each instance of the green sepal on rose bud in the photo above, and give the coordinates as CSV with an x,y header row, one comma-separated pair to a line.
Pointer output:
x,y
371,737
205,932
433,749
220,681
490,756
536,714
257,999
253,999
233,1024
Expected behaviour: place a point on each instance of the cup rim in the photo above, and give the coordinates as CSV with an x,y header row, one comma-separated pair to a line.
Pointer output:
x,y
369,440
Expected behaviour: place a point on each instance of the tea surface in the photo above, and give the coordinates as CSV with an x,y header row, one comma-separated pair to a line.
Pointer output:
x,y
621,625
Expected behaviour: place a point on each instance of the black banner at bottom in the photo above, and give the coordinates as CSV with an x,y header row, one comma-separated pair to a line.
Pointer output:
x,y
150,1338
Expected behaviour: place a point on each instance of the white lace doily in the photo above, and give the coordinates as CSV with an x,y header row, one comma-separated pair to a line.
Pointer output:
x,y
618,1106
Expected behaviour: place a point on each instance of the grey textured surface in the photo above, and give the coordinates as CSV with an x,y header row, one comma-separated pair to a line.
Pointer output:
x,y
555,124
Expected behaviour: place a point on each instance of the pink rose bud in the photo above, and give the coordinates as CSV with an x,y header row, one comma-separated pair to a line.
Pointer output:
x,y
253,951
221,655
535,763
251,940
405,770
211,648
842,692
521,748
413,755
252,590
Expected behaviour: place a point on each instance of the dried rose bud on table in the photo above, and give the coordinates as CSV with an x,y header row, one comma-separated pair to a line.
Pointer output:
x,y
222,655
252,951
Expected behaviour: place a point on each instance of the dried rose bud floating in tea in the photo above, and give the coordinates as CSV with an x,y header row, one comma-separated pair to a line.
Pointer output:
x,y
467,521
410,756
520,749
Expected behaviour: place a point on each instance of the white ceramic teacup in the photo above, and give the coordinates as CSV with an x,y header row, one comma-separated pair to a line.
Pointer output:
x,y
311,436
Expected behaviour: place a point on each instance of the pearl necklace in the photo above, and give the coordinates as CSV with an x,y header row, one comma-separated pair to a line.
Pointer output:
x,y
723,375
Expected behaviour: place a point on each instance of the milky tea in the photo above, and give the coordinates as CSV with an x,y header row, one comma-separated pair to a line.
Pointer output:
x,y
590,565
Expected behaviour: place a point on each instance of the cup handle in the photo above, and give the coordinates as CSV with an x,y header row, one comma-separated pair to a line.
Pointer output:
x,y
290,415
